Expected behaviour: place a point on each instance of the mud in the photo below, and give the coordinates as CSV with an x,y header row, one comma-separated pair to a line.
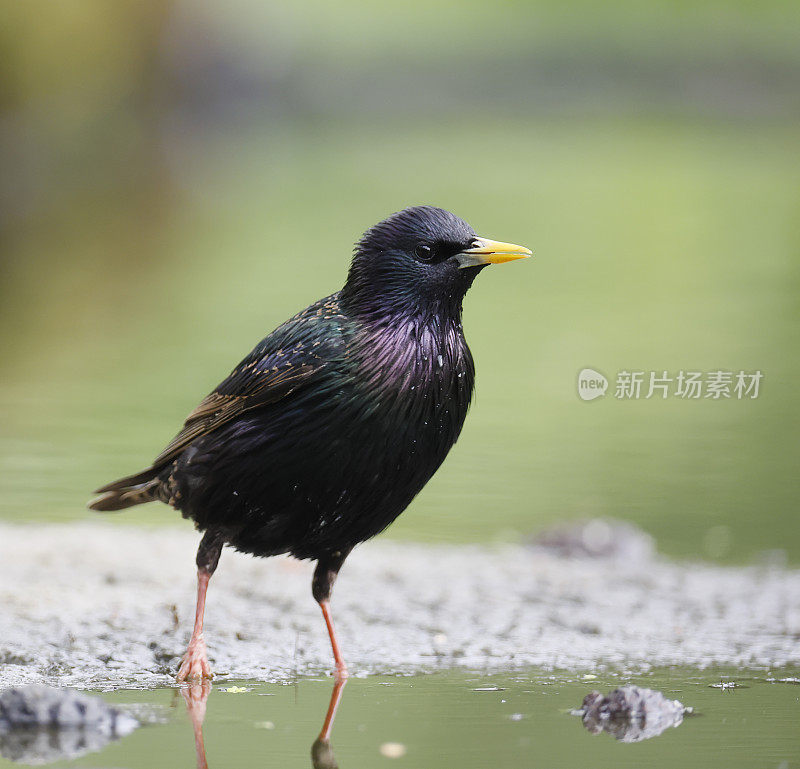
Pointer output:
x,y
102,606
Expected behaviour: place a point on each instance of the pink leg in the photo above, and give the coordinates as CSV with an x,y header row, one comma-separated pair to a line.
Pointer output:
x,y
341,668
195,665
321,587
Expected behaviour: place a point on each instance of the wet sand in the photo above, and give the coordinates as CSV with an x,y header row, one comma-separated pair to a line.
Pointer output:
x,y
103,606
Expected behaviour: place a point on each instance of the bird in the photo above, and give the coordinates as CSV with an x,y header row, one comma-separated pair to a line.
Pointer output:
x,y
335,421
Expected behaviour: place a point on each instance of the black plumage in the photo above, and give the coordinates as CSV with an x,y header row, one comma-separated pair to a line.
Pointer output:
x,y
327,430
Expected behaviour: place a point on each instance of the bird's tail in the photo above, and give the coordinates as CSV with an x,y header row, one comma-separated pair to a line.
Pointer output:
x,y
126,492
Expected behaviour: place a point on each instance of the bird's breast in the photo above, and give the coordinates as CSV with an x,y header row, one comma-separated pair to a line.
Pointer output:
x,y
417,380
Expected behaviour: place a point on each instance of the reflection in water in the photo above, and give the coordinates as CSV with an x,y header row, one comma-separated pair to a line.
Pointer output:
x,y
321,751
43,746
631,713
42,724
196,698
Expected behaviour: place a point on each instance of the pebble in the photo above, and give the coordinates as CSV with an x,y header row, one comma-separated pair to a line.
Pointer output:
x,y
392,750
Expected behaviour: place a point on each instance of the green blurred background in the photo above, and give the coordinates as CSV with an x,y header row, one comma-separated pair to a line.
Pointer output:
x,y
179,177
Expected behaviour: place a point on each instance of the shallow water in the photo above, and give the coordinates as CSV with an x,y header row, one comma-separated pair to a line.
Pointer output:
x,y
465,720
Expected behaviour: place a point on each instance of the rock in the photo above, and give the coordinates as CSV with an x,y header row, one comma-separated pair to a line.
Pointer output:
x,y
40,724
39,706
631,714
597,538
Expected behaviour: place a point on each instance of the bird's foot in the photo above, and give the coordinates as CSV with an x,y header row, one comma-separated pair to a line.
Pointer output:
x,y
195,667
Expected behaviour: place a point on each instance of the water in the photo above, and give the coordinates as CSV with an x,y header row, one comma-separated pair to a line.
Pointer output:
x,y
462,720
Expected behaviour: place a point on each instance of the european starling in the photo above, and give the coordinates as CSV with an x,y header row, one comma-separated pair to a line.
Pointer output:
x,y
329,428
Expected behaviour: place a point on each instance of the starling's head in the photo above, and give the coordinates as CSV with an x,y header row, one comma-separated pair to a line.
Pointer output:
x,y
420,259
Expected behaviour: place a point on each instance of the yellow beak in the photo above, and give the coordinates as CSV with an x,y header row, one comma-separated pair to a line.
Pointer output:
x,y
485,251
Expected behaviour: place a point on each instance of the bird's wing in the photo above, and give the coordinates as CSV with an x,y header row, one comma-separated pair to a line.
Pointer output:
x,y
257,381
289,358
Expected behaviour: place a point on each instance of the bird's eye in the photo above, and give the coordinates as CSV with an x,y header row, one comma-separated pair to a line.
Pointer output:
x,y
424,252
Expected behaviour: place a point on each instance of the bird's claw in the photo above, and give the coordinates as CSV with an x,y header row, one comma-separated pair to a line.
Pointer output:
x,y
194,667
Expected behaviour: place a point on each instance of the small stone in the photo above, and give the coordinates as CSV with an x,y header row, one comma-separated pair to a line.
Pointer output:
x,y
393,749
38,706
598,538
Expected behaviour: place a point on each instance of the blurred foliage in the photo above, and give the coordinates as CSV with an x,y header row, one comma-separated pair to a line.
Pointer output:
x,y
180,177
